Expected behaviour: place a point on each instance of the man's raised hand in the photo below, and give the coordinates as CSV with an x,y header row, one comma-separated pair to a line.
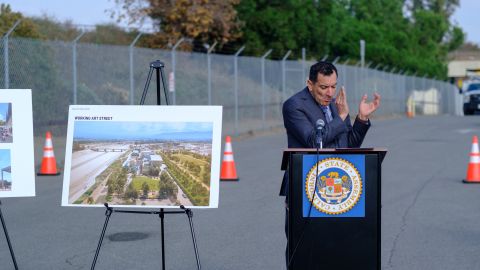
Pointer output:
x,y
365,109
341,103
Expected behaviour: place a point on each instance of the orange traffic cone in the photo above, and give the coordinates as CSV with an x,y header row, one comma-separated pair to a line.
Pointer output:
x,y
228,171
49,164
473,172
410,107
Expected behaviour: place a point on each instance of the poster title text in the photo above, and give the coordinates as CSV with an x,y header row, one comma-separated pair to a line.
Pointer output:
x,y
93,118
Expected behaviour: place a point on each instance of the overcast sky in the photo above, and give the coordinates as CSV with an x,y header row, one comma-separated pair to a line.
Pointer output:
x,y
467,17
91,12
5,162
87,12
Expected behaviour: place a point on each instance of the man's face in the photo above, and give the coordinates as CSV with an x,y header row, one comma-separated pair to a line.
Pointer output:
x,y
323,90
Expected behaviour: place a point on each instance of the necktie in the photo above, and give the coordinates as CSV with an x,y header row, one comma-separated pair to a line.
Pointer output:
x,y
328,113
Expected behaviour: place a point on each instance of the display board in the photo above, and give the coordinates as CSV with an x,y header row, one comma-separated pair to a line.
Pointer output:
x,y
17,176
143,156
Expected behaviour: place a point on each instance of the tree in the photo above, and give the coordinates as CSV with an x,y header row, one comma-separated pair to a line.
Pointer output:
x,y
131,192
145,189
413,35
415,40
274,25
202,21
109,34
206,176
153,171
26,28
90,200
433,36
166,187
37,63
51,29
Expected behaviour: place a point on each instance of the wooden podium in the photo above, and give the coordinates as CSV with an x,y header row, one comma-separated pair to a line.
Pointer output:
x,y
340,229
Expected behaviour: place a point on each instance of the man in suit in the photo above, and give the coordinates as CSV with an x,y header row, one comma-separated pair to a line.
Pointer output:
x,y
317,101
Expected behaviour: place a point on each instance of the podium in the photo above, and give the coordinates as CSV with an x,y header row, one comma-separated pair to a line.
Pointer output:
x,y
341,227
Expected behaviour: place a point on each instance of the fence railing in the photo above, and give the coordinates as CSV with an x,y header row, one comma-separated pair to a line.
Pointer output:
x,y
250,89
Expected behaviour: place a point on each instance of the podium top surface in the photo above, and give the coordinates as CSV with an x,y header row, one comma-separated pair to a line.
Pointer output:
x,y
287,152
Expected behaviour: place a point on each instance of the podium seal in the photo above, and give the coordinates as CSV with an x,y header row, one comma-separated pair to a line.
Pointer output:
x,y
339,186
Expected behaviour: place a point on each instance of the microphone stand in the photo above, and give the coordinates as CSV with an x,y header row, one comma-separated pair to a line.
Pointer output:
x,y
319,145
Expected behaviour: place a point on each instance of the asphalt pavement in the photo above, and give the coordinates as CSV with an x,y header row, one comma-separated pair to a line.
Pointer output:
x,y
430,219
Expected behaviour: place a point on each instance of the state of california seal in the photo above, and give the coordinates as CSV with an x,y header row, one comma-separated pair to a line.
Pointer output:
x,y
339,186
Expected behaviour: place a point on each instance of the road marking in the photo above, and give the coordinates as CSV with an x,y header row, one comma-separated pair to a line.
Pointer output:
x,y
466,130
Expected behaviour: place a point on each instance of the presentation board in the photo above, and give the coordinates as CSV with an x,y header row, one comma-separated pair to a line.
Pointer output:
x,y
17,176
143,156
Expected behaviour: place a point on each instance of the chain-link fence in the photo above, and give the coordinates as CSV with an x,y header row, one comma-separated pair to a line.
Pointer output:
x,y
251,93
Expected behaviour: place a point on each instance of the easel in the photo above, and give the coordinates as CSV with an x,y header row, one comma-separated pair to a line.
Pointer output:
x,y
8,238
158,66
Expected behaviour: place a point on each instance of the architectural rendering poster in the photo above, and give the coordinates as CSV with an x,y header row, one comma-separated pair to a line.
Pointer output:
x,y
17,176
143,156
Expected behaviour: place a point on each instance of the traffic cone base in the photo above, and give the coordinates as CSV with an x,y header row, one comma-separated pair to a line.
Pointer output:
x,y
228,171
473,171
470,182
49,164
45,174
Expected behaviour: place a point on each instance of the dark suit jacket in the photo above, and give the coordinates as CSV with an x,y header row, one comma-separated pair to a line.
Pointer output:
x,y
301,112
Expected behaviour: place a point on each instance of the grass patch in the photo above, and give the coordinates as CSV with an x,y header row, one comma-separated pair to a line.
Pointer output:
x,y
138,181
191,159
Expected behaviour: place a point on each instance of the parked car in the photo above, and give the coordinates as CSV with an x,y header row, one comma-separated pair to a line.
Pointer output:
x,y
471,98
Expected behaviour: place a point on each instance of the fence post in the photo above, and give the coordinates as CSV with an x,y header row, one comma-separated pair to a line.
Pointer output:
x,y
304,58
425,82
344,74
362,53
75,66
262,61
235,90
336,60
355,84
284,83
403,88
5,54
174,62
209,70
130,51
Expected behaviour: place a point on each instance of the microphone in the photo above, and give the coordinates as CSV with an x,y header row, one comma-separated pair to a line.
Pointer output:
x,y
319,125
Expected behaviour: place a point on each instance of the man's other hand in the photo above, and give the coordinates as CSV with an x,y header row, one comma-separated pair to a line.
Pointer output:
x,y
342,105
365,109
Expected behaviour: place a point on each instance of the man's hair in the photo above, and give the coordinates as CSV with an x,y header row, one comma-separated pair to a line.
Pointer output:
x,y
322,67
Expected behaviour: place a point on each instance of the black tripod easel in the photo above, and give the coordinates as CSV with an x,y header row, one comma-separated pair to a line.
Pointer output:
x,y
158,66
8,238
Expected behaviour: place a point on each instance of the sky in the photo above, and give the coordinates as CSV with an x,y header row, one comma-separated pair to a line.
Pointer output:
x,y
91,12
122,130
3,111
5,162
82,12
467,17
